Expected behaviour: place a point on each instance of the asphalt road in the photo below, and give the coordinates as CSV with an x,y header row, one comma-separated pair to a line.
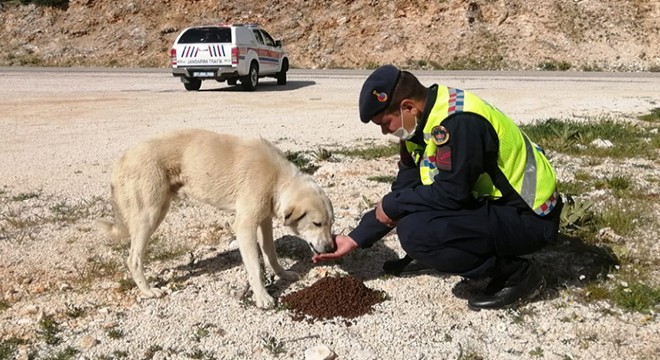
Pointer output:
x,y
58,121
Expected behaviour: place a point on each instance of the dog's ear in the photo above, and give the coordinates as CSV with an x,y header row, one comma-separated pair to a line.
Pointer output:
x,y
293,214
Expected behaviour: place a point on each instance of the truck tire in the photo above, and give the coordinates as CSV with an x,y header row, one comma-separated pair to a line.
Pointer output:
x,y
281,76
250,81
192,84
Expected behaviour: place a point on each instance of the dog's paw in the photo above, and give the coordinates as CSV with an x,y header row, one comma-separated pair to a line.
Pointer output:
x,y
153,293
264,301
289,275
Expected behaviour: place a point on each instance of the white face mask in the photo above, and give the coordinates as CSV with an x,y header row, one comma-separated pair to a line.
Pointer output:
x,y
403,133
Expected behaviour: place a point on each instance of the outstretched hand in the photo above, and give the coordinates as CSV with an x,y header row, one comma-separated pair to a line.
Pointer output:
x,y
344,246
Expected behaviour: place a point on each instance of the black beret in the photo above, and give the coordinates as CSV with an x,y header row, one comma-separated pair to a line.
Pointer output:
x,y
376,93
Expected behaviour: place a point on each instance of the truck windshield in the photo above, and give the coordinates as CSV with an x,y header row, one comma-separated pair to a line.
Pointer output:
x,y
206,35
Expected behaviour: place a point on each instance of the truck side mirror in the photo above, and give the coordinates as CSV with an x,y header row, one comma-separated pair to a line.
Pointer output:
x,y
278,43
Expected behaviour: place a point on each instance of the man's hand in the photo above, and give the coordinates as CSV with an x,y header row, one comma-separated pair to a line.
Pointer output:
x,y
344,245
382,217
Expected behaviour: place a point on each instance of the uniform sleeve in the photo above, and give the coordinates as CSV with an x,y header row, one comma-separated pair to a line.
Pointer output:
x,y
370,230
470,151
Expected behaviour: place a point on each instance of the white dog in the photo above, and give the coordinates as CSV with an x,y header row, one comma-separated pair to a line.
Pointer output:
x,y
252,177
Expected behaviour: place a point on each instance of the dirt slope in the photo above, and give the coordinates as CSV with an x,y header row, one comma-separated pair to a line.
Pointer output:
x,y
608,35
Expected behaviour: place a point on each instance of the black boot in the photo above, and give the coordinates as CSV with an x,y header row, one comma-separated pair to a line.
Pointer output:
x,y
404,266
507,289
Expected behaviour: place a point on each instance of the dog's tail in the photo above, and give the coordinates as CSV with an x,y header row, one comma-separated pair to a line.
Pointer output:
x,y
113,230
117,229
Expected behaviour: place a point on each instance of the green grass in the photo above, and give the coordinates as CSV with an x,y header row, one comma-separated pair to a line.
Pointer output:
x,y
631,296
96,267
301,162
201,354
69,353
26,196
582,219
114,334
370,153
575,138
622,216
387,179
49,330
4,305
9,347
554,65
636,297
322,154
74,311
653,116
273,345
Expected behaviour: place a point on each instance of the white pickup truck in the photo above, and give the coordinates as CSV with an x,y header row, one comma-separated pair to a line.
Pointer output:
x,y
236,52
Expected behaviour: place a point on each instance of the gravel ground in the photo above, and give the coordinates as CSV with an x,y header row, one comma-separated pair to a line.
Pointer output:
x,y
62,130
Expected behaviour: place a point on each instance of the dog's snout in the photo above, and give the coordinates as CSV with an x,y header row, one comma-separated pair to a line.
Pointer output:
x,y
329,248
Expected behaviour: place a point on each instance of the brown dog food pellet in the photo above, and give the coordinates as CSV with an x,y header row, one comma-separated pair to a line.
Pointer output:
x,y
330,297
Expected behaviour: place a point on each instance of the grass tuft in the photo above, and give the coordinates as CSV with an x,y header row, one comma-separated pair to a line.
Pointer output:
x,y
48,330
636,297
375,152
387,179
273,345
578,138
653,116
301,162
69,353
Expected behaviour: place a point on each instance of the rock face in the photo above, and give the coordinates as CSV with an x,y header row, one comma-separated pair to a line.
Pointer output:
x,y
608,35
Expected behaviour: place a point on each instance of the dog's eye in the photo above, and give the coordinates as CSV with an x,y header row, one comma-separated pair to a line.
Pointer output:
x,y
317,224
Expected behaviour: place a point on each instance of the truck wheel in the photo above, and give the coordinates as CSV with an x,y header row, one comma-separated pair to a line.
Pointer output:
x,y
192,84
251,80
232,81
281,76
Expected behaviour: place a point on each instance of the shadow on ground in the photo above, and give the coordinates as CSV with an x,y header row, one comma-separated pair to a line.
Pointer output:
x,y
569,262
362,263
265,86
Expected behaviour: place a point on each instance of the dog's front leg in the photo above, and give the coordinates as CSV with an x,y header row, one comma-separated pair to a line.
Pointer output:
x,y
246,235
270,255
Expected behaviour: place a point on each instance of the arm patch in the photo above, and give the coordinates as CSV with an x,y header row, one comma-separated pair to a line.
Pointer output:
x,y
443,157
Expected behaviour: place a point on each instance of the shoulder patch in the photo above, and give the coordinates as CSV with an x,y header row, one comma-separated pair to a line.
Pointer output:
x,y
443,158
439,135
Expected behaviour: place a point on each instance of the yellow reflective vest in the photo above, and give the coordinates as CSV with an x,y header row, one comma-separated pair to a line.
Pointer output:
x,y
522,162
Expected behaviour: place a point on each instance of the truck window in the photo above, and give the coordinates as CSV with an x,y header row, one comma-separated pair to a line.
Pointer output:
x,y
257,35
268,39
206,35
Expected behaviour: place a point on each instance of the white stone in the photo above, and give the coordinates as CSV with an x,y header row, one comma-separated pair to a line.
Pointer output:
x,y
88,342
29,310
319,352
600,143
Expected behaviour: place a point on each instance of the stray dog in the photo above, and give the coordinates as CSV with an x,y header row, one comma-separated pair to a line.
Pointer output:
x,y
250,176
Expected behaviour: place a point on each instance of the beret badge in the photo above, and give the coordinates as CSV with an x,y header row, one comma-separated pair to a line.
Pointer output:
x,y
381,97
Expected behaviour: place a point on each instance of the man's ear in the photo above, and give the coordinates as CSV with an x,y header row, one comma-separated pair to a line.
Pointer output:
x,y
409,105
293,214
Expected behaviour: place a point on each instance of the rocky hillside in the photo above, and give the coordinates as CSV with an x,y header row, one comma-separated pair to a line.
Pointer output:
x,y
603,35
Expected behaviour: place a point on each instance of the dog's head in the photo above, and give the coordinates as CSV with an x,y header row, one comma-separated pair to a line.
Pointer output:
x,y
308,212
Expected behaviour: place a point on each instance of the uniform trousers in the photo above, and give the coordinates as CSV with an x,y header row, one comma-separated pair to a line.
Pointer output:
x,y
476,243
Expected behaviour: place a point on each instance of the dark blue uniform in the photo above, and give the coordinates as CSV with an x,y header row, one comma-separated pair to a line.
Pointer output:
x,y
444,227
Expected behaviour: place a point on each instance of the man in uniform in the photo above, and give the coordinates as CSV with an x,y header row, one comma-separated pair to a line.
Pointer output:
x,y
473,192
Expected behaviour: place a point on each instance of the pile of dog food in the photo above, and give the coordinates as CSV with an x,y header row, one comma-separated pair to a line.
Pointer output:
x,y
330,297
